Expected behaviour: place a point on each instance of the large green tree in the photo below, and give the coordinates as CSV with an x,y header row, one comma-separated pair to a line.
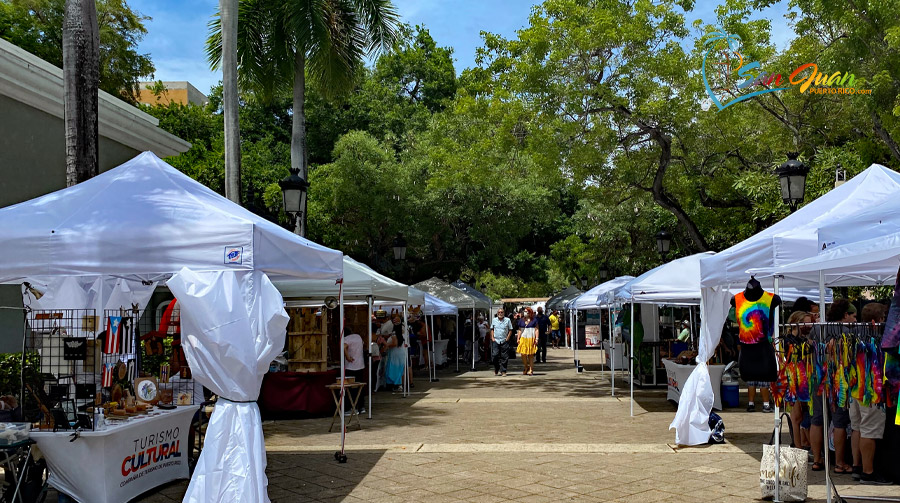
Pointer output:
x,y
281,43
37,27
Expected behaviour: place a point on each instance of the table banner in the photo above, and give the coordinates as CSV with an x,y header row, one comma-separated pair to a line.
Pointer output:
x,y
121,462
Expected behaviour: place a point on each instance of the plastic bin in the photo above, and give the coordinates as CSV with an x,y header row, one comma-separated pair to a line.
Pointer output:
x,y
730,395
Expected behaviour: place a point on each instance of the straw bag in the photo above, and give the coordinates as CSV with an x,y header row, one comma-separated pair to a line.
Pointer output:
x,y
792,482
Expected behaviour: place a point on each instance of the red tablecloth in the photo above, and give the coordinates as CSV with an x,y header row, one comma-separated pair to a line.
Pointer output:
x,y
297,394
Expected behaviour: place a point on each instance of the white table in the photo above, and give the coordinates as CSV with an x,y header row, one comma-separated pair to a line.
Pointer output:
x,y
440,352
677,375
121,462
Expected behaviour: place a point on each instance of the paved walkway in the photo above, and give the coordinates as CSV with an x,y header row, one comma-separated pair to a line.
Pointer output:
x,y
556,436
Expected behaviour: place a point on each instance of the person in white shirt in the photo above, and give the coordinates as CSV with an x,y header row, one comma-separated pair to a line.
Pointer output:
x,y
355,363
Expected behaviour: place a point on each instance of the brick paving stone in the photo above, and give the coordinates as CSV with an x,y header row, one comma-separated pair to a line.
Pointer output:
x,y
461,440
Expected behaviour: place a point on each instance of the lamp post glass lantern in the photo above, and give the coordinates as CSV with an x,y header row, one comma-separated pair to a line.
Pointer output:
x,y
663,242
584,281
293,192
399,247
602,274
792,177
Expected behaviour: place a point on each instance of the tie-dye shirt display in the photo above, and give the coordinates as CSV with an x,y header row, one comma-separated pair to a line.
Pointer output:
x,y
753,318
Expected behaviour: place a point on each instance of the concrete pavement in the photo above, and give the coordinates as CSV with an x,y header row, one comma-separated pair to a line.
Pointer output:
x,y
556,436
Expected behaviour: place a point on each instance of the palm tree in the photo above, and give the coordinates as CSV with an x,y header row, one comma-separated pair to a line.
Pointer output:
x,y
229,15
281,43
81,78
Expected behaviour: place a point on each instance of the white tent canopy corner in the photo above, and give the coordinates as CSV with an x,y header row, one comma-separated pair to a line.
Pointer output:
x,y
864,206
146,221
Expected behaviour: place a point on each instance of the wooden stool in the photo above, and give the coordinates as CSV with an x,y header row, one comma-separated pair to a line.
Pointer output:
x,y
354,397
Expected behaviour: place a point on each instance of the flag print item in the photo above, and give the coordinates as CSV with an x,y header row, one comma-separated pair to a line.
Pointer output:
x,y
113,336
107,373
127,335
131,373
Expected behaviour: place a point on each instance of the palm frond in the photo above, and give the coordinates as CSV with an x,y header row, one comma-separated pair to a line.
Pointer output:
x,y
380,21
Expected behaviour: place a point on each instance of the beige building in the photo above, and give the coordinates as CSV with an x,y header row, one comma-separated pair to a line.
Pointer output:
x,y
175,91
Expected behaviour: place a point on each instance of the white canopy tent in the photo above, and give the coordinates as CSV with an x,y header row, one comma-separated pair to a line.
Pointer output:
x,y
857,203
361,284
678,283
462,300
591,299
868,262
145,220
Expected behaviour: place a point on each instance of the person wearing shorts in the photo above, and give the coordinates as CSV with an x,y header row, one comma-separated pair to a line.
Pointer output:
x,y
867,423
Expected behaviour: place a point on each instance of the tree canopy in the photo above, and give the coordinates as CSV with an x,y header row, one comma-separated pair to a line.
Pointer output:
x,y
570,145
36,26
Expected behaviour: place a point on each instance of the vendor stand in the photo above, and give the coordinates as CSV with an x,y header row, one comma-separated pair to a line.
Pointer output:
x,y
147,222
128,458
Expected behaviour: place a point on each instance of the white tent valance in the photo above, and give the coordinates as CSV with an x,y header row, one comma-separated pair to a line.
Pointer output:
x,y
360,281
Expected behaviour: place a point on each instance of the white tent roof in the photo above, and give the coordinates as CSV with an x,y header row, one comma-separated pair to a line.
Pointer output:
x,y
360,281
431,305
678,283
623,293
597,295
145,219
451,294
867,202
471,290
863,263
437,307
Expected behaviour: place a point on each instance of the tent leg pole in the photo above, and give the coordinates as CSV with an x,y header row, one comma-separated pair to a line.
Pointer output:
x,y
777,496
407,370
473,338
433,361
343,370
369,319
612,357
828,491
457,342
631,350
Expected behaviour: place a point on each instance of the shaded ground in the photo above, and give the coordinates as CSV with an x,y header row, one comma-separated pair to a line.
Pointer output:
x,y
551,437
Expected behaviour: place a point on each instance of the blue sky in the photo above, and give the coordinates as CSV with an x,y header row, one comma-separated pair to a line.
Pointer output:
x,y
177,31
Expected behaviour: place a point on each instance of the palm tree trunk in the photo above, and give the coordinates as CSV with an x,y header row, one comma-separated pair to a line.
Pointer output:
x,y
298,131
81,78
229,19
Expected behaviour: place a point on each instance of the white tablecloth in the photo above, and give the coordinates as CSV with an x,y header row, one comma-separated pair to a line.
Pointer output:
x,y
121,462
677,375
440,352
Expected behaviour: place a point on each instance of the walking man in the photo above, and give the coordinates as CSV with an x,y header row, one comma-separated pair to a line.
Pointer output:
x,y
500,330
554,328
543,325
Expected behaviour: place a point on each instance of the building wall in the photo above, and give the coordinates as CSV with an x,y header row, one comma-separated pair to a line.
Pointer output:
x,y
33,163
33,153
171,95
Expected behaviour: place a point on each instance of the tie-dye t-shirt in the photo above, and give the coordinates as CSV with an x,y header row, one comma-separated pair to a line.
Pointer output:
x,y
754,322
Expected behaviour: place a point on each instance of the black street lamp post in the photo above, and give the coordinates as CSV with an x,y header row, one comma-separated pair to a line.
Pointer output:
x,y
663,243
792,177
293,191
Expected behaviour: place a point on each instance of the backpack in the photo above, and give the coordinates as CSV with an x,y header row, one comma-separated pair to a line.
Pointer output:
x,y
716,429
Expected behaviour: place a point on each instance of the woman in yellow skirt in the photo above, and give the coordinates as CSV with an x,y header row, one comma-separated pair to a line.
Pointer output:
x,y
528,341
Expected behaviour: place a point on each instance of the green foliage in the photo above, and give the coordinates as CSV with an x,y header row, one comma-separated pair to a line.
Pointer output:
x,y
36,26
566,148
11,372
